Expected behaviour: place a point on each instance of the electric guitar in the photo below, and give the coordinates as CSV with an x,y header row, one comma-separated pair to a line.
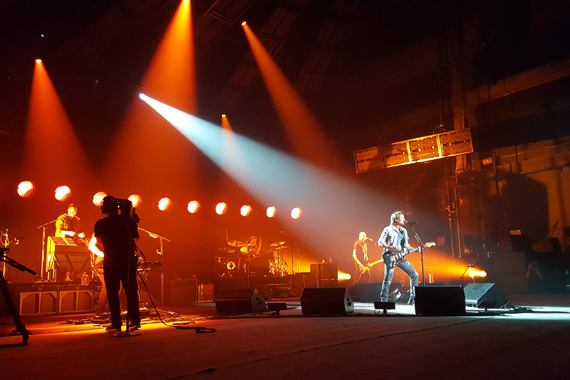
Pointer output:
x,y
394,257
367,268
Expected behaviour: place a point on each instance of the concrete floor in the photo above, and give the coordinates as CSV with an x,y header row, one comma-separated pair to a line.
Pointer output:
x,y
531,343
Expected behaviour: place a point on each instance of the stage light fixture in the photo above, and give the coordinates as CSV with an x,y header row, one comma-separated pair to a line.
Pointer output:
x,y
98,198
296,213
136,200
221,208
245,210
243,23
194,207
62,193
476,272
271,211
38,60
344,276
164,204
26,189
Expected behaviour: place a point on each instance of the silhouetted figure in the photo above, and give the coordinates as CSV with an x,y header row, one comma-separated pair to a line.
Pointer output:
x,y
534,279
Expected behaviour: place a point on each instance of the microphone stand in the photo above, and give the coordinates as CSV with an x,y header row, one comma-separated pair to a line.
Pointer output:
x,y
422,248
44,253
160,252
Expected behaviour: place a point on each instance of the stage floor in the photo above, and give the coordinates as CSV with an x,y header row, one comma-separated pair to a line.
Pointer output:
x,y
529,341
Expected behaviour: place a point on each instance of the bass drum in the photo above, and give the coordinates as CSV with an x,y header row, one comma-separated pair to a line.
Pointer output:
x,y
259,267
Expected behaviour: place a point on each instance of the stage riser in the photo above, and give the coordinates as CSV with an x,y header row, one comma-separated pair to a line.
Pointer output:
x,y
52,299
279,285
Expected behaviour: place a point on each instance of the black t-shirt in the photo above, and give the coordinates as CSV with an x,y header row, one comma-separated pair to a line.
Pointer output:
x,y
114,234
361,251
66,223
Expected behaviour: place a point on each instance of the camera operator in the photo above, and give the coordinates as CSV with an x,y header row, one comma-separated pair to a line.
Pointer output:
x,y
113,238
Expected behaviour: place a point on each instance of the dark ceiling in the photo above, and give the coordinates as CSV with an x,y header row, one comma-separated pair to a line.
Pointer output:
x,y
96,52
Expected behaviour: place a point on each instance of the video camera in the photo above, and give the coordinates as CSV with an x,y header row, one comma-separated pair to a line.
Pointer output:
x,y
123,207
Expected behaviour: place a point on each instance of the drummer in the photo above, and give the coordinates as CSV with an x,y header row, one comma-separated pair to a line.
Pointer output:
x,y
252,247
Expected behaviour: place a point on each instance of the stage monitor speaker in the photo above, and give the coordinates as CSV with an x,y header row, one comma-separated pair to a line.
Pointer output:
x,y
485,295
230,301
366,292
440,300
326,301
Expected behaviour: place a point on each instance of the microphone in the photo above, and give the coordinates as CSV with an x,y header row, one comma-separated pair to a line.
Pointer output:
x,y
412,223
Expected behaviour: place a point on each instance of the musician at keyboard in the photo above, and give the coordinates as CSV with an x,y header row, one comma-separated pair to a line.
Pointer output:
x,y
69,224
394,240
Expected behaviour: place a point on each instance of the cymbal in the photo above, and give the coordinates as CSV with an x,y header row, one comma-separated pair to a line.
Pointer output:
x,y
227,250
236,243
277,243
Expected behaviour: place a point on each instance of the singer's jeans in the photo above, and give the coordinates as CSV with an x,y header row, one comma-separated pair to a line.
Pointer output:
x,y
389,273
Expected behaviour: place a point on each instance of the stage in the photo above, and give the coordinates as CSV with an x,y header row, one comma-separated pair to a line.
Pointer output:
x,y
527,341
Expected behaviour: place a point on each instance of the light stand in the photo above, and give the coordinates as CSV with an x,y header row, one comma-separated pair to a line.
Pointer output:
x,y
468,268
160,252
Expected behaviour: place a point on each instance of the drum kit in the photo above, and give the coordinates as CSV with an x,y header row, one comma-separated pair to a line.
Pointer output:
x,y
240,260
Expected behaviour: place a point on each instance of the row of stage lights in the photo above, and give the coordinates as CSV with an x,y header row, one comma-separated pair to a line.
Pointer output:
x,y
63,193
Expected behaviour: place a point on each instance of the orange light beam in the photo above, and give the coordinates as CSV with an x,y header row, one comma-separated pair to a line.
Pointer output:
x,y
171,75
226,123
49,130
305,133
455,269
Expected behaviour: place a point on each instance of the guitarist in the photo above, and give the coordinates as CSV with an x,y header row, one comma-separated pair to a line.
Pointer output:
x,y
394,239
360,256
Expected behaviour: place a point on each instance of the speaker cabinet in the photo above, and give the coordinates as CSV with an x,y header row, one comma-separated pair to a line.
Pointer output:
x,y
183,292
230,301
325,271
366,292
440,300
326,301
486,295
300,281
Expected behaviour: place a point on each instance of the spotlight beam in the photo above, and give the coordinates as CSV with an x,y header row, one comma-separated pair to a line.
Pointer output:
x,y
270,175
